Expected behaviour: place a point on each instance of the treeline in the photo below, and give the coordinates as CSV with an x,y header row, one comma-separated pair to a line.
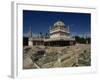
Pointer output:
x,y
83,40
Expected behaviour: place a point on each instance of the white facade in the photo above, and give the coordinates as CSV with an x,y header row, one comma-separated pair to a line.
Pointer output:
x,y
59,31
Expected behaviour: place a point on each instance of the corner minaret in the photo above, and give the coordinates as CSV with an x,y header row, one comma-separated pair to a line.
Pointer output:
x,y
68,29
30,42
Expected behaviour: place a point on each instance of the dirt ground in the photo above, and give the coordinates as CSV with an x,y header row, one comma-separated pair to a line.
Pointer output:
x,y
52,57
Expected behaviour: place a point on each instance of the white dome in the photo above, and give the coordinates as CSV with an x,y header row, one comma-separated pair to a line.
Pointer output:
x,y
59,23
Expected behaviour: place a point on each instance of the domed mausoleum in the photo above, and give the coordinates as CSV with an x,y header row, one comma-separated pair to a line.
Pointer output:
x,y
59,35
59,31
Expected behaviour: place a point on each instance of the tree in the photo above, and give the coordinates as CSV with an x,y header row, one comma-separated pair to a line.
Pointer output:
x,y
41,35
46,35
80,39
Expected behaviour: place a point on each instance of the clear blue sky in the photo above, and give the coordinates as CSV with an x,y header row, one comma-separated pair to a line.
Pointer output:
x,y
40,21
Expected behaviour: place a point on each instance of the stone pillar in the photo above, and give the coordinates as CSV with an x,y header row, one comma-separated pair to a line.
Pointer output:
x,y
30,42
